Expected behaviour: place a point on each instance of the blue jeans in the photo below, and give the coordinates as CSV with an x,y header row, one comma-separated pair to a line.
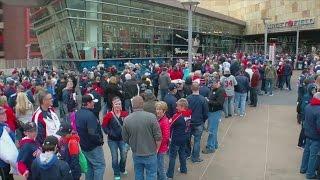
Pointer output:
x,y
96,164
240,100
213,122
145,163
196,131
127,105
118,166
310,160
228,106
161,169
163,93
269,85
173,151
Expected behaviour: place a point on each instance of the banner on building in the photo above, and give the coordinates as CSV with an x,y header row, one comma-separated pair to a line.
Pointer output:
x,y
272,52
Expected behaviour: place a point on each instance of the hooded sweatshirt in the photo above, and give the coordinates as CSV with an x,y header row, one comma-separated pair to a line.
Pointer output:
x,y
48,167
312,120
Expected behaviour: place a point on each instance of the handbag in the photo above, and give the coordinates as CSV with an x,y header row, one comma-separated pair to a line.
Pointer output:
x,y
83,162
8,150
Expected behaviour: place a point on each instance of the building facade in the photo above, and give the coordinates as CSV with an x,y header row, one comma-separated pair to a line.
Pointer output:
x,y
281,14
130,29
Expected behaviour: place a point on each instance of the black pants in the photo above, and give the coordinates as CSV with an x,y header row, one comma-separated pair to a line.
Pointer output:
x,y
4,173
287,80
156,90
253,96
302,138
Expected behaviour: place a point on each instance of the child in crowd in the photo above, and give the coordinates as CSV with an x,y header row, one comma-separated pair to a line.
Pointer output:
x,y
47,166
29,150
69,149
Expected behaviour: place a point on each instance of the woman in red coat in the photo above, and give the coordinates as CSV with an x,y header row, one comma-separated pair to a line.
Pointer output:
x,y
161,108
11,117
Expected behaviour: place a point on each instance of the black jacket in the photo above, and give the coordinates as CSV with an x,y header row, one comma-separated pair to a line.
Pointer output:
x,y
130,89
216,99
89,129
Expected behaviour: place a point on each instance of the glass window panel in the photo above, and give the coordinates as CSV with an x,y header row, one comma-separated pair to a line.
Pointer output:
x,y
75,4
124,2
136,4
108,8
111,1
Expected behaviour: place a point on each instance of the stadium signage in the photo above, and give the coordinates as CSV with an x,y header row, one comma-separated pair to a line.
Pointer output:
x,y
292,23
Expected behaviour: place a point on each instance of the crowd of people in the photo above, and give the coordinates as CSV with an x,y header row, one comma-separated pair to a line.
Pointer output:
x,y
54,120
308,109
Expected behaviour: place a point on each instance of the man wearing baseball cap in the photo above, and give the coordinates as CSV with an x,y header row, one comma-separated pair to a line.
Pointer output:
x,y
91,138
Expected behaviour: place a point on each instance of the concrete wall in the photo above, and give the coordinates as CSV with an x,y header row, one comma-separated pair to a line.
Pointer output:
x,y
252,11
15,32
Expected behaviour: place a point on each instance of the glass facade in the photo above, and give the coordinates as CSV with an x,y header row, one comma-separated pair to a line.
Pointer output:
x,y
127,29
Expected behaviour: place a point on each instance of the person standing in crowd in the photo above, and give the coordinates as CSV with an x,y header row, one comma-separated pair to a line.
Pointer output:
x,y
142,132
287,74
180,92
228,82
164,81
97,105
47,166
180,132
149,104
4,167
68,98
271,75
199,107
161,108
91,139
216,100
155,80
113,90
11,117
309,163
45,118
24,111
29,150
130,90
241,91
280,74
112,125
69,149
254,83
61,84
171,100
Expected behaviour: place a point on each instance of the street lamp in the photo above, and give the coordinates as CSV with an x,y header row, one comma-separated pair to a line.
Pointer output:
x,y
265,36
190,5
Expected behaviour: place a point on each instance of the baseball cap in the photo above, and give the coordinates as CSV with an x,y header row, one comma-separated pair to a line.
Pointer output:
x,y
50,141
172,86
29,127
65,128
2,110
88,98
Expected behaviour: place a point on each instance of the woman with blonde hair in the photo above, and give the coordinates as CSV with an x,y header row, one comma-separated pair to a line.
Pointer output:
x,y
23,108
24,111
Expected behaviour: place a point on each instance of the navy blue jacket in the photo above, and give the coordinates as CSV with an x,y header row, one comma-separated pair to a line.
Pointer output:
x,y
171,101
54,169
26,157
199,107
242,85
312,120
204,91
89,129
180,129
287,70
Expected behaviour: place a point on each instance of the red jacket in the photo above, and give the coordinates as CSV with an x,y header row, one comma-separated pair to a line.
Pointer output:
x,y
165,131
255,79
11,118
280,70
175,74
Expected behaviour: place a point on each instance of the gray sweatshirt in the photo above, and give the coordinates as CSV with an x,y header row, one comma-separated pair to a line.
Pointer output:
x,y
228,83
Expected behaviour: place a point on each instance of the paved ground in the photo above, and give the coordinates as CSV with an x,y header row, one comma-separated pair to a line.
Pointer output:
x,y
259,146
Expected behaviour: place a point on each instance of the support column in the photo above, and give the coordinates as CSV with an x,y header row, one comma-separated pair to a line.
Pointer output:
x,y
91,31
190,55
297,47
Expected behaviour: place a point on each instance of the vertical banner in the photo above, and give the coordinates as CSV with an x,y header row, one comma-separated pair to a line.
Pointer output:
x,y
272,51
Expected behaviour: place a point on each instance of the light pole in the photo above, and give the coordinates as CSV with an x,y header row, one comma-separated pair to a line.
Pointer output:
x,y
265,36
191,6
297,46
